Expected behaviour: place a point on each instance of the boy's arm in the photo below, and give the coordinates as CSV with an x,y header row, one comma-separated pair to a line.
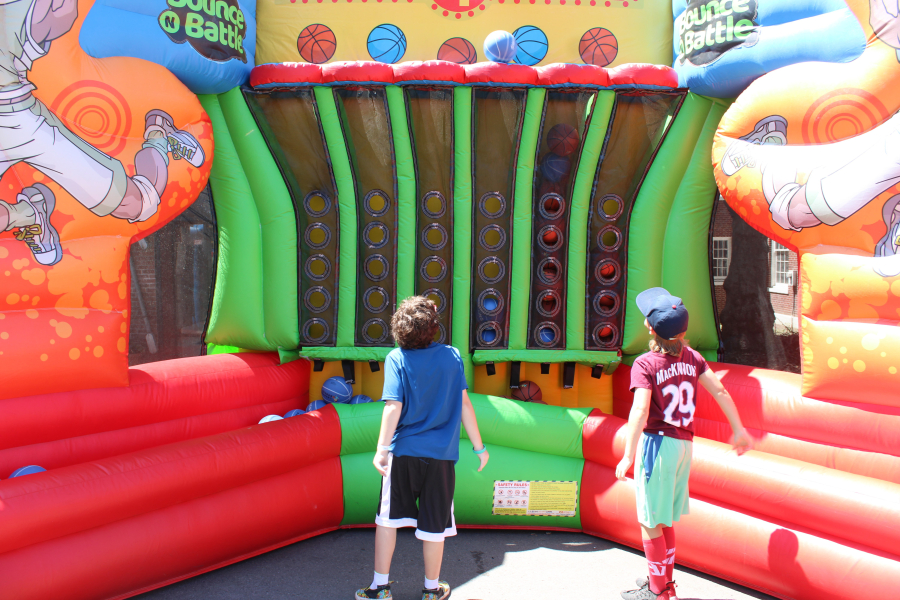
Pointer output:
x,y
740,440
471,425
389,419
637,420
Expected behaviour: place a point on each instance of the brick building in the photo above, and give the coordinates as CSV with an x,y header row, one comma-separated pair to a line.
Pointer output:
x,y
783,272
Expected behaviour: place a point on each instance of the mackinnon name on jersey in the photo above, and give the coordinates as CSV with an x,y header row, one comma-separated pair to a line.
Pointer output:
x,y
676,369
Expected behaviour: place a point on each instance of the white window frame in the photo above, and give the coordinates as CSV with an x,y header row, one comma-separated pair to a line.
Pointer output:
x,y
716,279
784,287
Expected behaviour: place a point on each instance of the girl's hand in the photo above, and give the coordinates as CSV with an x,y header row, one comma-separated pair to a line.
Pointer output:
x,y
483,457
622,468
381,462
741,441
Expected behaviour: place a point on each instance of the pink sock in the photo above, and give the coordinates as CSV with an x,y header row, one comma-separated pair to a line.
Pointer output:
x,y
655,551
669,535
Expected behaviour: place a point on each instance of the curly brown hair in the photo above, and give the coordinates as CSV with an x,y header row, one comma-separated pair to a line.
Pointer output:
x,y
415,323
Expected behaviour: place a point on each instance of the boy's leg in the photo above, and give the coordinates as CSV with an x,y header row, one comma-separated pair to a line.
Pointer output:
x,y
385,541
436,522
433,553
655,551
669,535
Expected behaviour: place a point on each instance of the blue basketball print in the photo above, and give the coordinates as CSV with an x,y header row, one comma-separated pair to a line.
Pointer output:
x,y
386,44
500,47
531,45
336,389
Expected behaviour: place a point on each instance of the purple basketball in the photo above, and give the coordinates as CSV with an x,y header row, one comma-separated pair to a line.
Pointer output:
x,y
555,167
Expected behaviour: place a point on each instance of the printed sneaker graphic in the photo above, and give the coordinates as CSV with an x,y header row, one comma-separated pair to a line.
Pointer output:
x,y
41,237
181,144
888,245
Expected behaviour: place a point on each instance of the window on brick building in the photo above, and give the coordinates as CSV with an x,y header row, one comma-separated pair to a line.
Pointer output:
x,y
782,274
172,272
721,258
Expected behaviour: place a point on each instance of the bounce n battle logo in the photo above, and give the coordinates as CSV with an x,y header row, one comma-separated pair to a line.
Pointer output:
x,y
214,28
709,28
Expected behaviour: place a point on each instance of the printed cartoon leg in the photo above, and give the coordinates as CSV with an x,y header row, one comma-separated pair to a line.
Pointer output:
x,y
31,215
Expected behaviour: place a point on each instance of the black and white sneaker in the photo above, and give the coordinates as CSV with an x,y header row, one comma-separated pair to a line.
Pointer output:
x,y
42,238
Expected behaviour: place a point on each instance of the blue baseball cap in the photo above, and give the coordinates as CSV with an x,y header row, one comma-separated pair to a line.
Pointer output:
x,y
666,313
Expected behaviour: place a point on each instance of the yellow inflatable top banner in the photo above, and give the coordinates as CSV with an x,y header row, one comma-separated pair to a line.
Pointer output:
x,y
599,32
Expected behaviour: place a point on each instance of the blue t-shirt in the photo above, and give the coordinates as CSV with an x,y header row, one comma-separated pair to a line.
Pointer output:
x,y
429,382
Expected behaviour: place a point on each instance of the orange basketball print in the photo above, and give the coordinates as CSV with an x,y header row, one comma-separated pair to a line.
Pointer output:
x,y
316,44
458,50
598,46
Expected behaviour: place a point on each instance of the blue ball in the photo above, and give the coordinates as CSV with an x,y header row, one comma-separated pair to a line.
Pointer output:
x,y
500,47
336,389
316,405
29,470
490,303
294,413
489,335
386,44
270,418
547,335
555,167
532,45
360,399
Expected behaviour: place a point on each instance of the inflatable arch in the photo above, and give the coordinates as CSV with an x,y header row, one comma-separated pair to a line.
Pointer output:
x,y
533,201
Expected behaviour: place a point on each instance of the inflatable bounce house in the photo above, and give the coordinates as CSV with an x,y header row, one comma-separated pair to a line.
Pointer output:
x,y
531,183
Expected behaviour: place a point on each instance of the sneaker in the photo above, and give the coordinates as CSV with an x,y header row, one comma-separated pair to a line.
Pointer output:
x,y
441,593
644,582
42,238
379,593
741,153
889,245
181,144
644,593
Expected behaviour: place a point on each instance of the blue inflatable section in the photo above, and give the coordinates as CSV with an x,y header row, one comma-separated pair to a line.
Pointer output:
x,y
208,44
722,46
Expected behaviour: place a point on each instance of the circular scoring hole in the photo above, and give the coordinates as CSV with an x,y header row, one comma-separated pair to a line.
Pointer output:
x,y
488,334
317,299
490,301
375,331
316,203
434,237
548,303
551,206
546,334
376,203
550,238
318,267
438,297
610,207
441,335
317,235
434,205
549,270
491,270
433,269
375,235
492,238
315,331
606,303
607,271
376,267
609,238
605,335
492,205
375,299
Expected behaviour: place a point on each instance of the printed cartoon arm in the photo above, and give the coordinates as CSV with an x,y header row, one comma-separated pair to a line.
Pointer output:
x,y
51,19
471,424
740,440
389,419
884,17
637,420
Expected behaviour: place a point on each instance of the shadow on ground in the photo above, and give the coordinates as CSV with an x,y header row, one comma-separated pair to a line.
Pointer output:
x,y
479,564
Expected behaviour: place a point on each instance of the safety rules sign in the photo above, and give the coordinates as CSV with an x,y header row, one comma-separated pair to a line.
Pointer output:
x,y
536,498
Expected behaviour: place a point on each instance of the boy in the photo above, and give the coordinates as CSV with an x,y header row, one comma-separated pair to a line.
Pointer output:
x,y
664,381
425,400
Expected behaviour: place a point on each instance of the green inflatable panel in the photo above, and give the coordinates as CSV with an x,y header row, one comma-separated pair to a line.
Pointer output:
x,y
650,214
588,358
685,267
520,274
276,215
462,225
578,219
406,195
236,317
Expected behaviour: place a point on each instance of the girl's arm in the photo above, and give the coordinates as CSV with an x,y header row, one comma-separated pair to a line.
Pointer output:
x,y
389,419
740,440
471,425
637,420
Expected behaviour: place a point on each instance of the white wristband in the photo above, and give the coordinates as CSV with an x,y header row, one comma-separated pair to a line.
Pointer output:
x,y
384,448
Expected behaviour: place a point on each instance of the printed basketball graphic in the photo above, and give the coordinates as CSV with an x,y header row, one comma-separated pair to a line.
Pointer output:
x,y
386,43
531,45
316,44
458,50
598,46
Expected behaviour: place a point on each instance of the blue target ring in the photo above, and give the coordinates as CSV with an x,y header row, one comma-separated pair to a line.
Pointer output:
x,y
386,43
532,45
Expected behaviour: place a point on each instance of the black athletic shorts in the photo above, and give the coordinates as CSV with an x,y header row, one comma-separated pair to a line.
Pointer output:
x,y
428,481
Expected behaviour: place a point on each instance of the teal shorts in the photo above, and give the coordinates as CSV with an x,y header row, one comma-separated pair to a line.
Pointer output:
x,y
663,498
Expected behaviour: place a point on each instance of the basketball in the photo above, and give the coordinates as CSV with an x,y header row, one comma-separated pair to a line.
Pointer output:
x,y
29,470
562,139
316,44
547,335
360,399
607,271
336,389
500,47
490,304
550,237
458,50
554,167
270,418
598,46
386,43
316,405
528,392
294,413
531,45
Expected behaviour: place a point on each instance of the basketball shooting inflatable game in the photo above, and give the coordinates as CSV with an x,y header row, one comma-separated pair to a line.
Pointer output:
x,y
531,179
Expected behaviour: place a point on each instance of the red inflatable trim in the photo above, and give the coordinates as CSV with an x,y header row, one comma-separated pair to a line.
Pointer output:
x,y
362,71
162,391
566,73
500,74
642,74
286,73
429,70
778,560
65,501
168,544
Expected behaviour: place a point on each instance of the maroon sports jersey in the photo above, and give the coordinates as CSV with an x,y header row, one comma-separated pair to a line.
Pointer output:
x,y
673,389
